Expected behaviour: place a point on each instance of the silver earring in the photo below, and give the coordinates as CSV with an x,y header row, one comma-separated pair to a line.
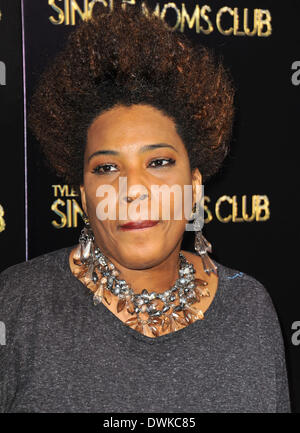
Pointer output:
x,y
202,246
84,253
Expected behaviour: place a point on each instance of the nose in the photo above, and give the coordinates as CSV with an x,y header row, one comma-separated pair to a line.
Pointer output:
x,y
133,186
129,199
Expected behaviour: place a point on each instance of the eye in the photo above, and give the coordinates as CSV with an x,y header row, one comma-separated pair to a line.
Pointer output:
x,y
104,168
162,162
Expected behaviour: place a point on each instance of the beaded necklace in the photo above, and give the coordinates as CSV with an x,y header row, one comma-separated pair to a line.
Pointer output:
x,y
170,309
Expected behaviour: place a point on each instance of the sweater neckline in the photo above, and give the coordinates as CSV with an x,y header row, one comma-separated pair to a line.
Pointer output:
x,y
116,326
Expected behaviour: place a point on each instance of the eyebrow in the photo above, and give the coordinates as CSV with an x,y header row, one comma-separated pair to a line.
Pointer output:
x,y
142,149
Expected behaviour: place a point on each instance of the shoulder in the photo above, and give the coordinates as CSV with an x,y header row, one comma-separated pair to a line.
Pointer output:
x,y
254,303
239,290
30,278
235,284
240,285
44,264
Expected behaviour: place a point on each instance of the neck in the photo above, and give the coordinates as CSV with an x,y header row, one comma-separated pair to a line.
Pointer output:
x,y
157,278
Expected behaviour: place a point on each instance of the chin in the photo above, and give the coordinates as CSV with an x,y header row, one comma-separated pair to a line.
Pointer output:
x,y
140,257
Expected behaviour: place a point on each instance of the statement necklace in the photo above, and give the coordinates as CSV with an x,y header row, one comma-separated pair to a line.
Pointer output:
x,y
169,309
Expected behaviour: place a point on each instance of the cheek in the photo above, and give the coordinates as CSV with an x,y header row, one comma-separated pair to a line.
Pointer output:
x,y
173,233
178,201
100,199
90,197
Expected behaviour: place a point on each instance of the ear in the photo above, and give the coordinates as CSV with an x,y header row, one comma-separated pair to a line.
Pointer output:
x,y
83,198
196,185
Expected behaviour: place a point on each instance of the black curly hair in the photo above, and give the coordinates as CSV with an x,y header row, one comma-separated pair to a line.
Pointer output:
x,y
127,57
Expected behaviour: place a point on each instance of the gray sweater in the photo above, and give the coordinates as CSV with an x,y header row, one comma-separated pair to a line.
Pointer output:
x,y
64,354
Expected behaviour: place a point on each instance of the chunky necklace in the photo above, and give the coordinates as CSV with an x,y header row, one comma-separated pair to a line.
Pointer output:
x,y
169,309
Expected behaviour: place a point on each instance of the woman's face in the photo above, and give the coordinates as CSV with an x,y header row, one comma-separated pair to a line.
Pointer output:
x,y
139,145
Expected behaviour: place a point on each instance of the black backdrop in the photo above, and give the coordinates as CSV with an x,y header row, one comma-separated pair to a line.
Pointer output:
x,y
262,163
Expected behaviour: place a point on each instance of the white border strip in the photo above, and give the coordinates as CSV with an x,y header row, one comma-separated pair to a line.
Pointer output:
x,y
25,132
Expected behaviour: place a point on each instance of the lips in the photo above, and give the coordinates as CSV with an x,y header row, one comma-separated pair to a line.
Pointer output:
x,y
135,225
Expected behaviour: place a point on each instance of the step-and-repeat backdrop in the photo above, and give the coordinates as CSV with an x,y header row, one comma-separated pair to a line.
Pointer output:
x,y
251,205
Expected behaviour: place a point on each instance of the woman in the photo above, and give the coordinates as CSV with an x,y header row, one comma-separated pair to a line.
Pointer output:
x,y
125,321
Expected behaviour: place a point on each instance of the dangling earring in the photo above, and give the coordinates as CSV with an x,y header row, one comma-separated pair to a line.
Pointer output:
x,y
85,252
202,246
